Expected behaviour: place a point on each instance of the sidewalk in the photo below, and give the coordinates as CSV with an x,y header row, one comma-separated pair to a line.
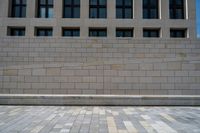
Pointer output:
x,y
102,119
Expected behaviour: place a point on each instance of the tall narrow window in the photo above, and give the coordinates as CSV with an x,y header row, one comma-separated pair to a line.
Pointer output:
x,y
71,32
99,32
71,9
150,9
178,33
176,9
124,32
98,8
18,8
16,31
124,8
151,33
43,31
45,8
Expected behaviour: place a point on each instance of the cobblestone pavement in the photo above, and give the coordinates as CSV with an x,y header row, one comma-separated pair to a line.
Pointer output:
x,y
88,119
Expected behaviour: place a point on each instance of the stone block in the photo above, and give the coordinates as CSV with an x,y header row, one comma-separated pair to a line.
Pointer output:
x,y
24,72
117,79
168,86
16,91
174,79
153,86
39,72
110,73
197,67
38,85
67,85
10,72
67,72
82,85
131,67
123,86
189,80
53,71
59,91
100,79
147,92
195,86
145,79
117,92
22,85
159,80
132,79
146,66
45,91
89,92
32,79
10,85
117,66
132,92
96,72
30,91
90,79
174,66
188,92
181,73
182,86
160,92
124,73
194,73
53,85
74,91
96,86
81,72
188,66
167,73
1,73
74,79
160,66
48,79
4,91
153,73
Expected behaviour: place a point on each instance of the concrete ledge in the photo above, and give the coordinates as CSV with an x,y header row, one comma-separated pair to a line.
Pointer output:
x,y
116,100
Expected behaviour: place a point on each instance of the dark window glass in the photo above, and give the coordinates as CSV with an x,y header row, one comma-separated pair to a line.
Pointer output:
x,y
151,33
18,8
71,32
16,31
124,32
98,8
150,9
124,8
176,9
44,31
178,33
45,8
71,9
97,32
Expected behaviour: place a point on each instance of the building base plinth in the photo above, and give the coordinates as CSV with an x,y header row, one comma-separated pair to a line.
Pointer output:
x,y
104,100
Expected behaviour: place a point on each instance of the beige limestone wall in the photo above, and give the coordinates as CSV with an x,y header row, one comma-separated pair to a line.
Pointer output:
x,y
99,66
61,65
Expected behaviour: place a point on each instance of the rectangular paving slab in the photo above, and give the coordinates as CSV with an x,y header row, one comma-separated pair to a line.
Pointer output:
x,y
99,119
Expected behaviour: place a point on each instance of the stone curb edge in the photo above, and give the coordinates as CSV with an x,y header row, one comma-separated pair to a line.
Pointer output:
x,y
100,100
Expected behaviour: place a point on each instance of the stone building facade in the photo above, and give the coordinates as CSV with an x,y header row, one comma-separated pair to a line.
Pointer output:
x,y
143,54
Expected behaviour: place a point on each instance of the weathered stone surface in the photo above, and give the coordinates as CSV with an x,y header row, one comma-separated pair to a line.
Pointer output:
x,y
10,72
67,66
